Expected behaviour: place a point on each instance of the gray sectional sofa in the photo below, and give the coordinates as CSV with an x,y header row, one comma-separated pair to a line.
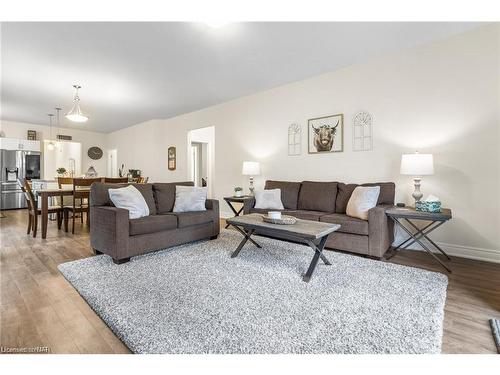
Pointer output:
x,y
114,234
327,201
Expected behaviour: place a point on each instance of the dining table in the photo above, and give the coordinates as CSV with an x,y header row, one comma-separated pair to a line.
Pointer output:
x,y
45,194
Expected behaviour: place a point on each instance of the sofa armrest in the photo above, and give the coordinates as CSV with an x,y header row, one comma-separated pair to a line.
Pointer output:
x,y
213,205
381,230
109,230
248,204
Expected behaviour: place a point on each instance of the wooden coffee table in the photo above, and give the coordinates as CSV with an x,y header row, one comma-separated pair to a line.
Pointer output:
x,y
312,233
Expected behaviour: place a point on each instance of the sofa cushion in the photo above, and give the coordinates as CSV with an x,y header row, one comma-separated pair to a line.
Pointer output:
x,y
317,196
99,195
347,224
186,219
289,192
152,224
129,198
268,199
190,198
164,194
386,196
306,214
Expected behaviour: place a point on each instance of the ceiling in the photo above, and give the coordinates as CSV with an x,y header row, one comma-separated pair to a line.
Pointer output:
x,y
134,72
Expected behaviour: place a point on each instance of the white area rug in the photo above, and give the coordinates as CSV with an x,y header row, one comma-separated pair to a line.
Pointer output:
x,y
196,299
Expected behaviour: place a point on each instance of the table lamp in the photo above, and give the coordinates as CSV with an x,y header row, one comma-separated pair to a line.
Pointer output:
x,y
417,165
251,168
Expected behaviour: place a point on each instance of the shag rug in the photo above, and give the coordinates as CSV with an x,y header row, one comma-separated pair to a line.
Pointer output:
x,y
195,298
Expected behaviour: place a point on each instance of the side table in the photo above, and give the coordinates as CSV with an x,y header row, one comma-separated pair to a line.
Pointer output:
x,y
231,200
408,216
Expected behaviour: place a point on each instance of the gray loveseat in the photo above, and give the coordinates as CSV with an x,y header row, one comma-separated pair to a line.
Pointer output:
x,y
327,201
114,234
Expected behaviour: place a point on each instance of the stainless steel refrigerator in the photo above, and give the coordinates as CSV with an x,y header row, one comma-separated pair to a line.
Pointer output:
x,y
16,165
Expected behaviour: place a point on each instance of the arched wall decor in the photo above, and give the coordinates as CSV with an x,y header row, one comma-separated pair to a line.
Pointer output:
x,y
294,139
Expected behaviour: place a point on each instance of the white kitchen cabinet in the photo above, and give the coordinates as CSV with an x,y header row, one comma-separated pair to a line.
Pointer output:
x,y
19,144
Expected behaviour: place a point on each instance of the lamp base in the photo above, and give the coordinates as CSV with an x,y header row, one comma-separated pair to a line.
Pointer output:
x,y
251,188
417,194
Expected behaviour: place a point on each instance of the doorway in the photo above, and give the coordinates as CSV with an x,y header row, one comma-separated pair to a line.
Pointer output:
x,y
201,147
112,164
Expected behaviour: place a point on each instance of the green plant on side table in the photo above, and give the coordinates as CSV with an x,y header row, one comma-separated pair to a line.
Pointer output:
x,y
61,171
238,191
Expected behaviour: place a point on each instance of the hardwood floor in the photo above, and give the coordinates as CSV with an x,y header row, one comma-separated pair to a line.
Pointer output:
x,y
40,309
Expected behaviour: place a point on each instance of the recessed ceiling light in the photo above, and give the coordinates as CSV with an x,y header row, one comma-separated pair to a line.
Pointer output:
x,y
216,24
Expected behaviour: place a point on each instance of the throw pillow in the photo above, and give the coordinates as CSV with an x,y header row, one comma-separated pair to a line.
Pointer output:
x,y
268,199
363,198
130,199
190,198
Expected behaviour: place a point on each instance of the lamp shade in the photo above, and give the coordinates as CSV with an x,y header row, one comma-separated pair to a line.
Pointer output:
x,y
417,164
250,168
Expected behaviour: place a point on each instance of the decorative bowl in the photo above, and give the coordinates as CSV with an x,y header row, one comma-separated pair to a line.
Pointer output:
x,y
285,220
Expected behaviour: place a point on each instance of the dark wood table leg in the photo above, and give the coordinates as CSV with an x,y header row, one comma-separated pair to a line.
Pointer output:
x,y
318,249
44,214
246,237
417,240
424,235
245,234
236,213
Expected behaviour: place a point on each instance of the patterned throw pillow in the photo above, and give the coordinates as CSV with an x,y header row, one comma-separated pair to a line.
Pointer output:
x,y
268,199
190,198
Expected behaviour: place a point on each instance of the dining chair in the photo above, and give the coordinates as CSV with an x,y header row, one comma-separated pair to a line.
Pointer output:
x,y
115,180
34,212
142,180
79,205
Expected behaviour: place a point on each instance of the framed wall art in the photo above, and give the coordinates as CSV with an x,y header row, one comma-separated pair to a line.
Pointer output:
x,y
325,134
31,135
172,159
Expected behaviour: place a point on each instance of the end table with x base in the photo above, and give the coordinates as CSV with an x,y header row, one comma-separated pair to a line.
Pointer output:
x,y
231,200
406,217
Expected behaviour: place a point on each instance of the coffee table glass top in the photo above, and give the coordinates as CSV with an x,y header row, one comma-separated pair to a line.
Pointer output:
x,y
302,228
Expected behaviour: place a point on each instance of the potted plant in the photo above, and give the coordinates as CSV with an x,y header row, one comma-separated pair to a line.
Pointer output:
x,y
238,191
61,171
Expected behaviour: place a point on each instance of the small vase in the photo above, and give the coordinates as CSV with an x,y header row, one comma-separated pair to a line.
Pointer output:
x,y
237,193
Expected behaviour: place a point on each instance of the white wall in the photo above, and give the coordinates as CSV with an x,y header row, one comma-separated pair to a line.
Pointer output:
x,y
88,139
442,98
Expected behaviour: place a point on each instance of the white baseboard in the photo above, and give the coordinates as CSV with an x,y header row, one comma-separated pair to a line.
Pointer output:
x,y
477,253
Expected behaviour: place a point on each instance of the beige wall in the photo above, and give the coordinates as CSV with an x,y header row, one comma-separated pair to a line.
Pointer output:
x,y
442,98
88,139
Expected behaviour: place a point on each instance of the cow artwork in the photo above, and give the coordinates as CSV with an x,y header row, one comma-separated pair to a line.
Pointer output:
x,y
323,137
326,134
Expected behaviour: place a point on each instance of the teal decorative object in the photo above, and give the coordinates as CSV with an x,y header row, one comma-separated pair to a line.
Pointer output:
x,y
428,206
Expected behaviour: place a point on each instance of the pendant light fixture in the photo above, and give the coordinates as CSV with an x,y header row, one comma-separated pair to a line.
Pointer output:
x,y
58,125
50,146
76,114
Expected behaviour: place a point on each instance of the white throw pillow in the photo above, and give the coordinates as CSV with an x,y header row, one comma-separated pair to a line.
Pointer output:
x,y
190,198
363,198
268,199
130,199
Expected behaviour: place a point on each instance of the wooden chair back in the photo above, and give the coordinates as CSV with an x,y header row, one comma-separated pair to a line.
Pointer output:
x,y
82,182
142,180
64,181
30,197
115,180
